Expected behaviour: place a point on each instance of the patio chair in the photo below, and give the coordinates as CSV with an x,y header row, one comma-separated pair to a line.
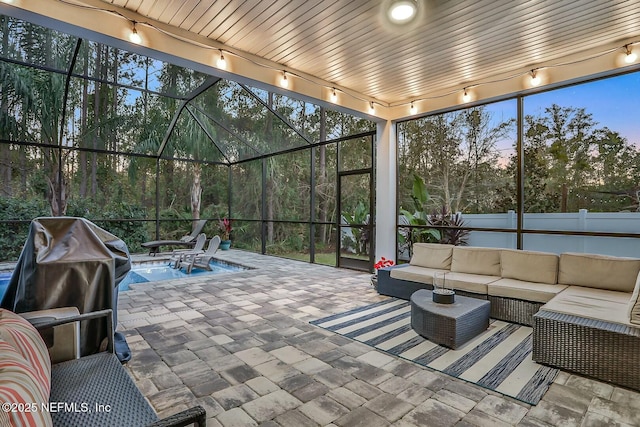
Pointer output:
x,y
201,260
177,254
188,240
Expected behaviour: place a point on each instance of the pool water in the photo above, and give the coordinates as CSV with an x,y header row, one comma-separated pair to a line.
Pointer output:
x,y
157,271
152,272
4,283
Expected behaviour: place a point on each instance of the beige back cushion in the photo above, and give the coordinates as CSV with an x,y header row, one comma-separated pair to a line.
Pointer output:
x,y
634,304
598,271
431,255
476,261
540,267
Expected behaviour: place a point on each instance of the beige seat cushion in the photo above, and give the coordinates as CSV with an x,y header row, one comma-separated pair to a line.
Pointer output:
x,y
416,274
476,260
431,255
599,271
599,304
529,266
528,291
634,304
475,283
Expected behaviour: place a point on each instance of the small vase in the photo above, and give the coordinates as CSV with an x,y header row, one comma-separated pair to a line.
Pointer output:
x,y
225,245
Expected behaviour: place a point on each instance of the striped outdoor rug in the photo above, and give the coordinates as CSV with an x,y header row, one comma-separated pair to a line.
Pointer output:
x,y
499,359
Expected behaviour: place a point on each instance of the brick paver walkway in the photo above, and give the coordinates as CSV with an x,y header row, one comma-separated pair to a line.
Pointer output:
x,y
241,346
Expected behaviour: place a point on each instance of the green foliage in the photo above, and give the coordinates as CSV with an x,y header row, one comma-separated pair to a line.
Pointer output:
x,y
451,236
14,234
118,218
360,240
418,217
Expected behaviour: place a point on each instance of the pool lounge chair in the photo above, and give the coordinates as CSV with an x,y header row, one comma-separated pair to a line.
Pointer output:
x,y
178,254
200,260
188,240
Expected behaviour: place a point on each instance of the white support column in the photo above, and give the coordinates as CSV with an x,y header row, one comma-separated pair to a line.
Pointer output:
x,y
386,148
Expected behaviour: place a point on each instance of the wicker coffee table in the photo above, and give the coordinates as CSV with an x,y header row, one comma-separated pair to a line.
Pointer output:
x,y
450,325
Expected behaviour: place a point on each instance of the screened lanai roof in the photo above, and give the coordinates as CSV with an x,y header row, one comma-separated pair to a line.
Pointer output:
x,y
179,113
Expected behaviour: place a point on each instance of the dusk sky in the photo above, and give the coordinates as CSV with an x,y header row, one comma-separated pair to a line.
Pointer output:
x,y
612,102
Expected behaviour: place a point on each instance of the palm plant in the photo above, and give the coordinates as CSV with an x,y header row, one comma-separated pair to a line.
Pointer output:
x,y
408,236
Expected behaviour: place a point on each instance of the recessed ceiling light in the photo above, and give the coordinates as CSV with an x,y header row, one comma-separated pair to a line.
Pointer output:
x,y
402,11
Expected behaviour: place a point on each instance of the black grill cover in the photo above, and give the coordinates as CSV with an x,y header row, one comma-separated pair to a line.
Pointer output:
x,y
70,262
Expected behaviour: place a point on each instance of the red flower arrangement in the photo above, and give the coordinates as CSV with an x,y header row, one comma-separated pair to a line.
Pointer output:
x,y
225,228
384,262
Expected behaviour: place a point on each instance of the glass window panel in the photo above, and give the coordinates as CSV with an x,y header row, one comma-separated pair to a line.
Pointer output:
x,y
190,140
355,153
113,65
303,116
215,190
288,240
339,125
354,198
459,162
246,190
325,199
287,186
325,249
248,120
582,150
614,246
489,239
177,181
231,147
37,45
355,242
247,236
23,196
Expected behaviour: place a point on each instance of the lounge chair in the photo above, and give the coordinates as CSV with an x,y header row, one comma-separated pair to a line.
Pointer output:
x,y
177,254
188,240
201,260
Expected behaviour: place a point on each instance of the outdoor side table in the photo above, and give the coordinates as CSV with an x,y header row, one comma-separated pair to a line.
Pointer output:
x,y
450,325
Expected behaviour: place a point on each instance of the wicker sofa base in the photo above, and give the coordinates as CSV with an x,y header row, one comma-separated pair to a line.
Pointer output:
x,y
605,351
514,310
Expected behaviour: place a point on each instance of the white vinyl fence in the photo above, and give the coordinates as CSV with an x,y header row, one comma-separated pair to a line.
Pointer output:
x,y
620,222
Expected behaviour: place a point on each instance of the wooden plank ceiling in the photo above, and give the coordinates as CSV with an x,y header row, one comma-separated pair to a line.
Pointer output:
x,y
452,42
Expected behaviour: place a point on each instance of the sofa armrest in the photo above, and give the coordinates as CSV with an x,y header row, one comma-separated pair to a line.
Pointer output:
x,y
386,271
196,416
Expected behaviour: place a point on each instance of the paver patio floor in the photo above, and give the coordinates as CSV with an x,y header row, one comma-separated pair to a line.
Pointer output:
x,y
240,345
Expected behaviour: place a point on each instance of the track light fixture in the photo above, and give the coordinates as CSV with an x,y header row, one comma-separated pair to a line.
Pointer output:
x,y
134,37
284,82
631,56
535,78
413,109
222,63
334,95
371,108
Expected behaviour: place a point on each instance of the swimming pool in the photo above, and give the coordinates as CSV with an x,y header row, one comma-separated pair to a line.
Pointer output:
x,y
157,271
152,272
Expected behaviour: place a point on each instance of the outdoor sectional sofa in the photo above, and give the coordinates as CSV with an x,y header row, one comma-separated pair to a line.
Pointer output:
x,y
584,308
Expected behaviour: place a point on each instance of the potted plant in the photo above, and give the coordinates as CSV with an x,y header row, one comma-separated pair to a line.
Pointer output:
x,y
225,229
383,262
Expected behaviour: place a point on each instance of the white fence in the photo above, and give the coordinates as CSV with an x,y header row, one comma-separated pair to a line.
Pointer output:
x,y
620,222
